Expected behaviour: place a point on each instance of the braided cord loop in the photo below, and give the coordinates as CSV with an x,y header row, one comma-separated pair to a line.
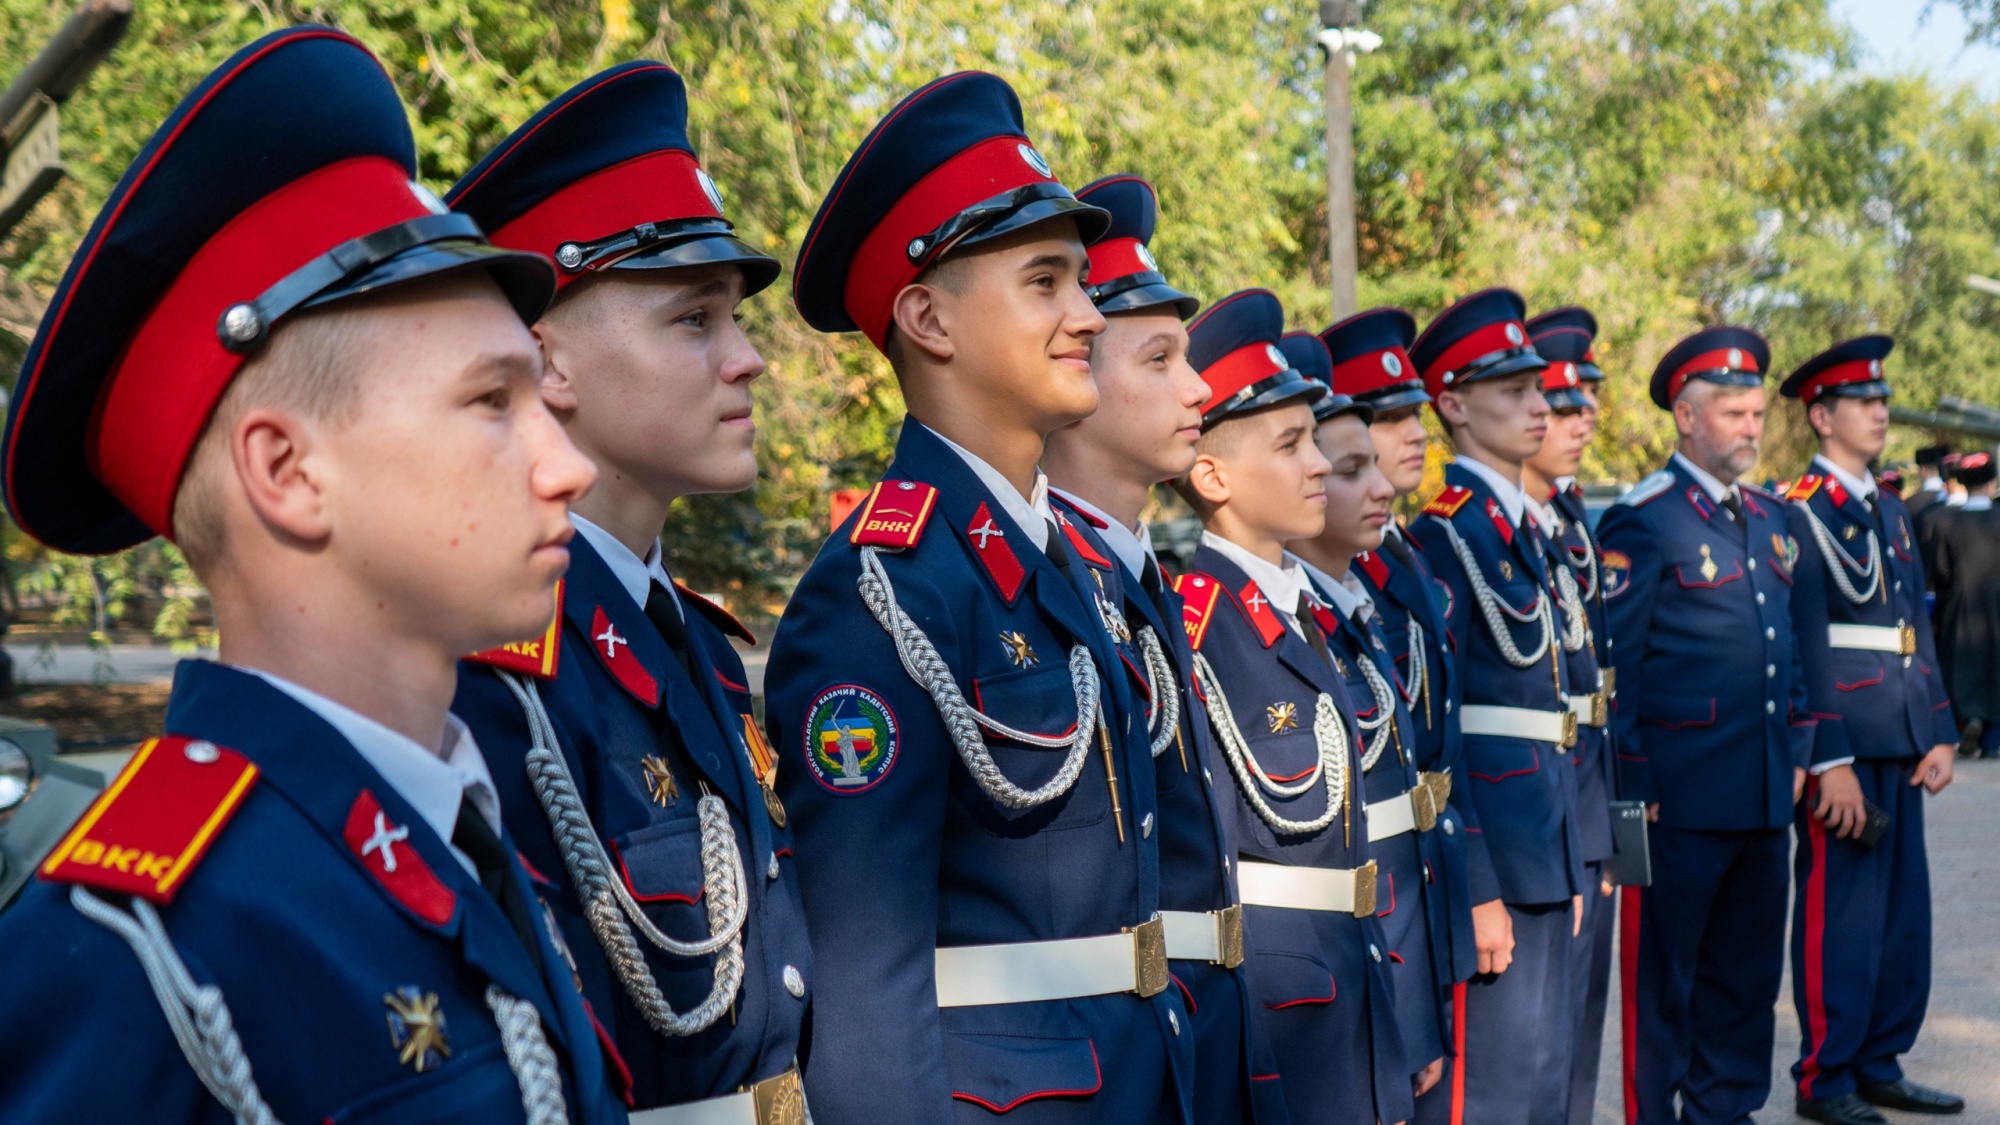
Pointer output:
x,y
609,906
1840,562
1165,687
1382,726
963,721
1576,623
1497,612
1419,662
529,1056
1329,738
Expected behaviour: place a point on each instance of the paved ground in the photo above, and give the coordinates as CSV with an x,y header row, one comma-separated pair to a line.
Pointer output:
x,y
1960,1046
79,664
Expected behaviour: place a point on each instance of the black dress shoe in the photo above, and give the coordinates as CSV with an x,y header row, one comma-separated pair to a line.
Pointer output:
x,y
1909,1097
1847,1109
1970,737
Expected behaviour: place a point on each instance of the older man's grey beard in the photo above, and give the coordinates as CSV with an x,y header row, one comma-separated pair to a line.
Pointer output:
x,y
1730,464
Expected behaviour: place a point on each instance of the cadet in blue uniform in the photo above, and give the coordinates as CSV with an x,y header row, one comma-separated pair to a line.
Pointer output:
x,y
1401,808
1564,337
1861,930
978,842
1515,1025
299,903
1285,727
1713,724
646,800
1102,471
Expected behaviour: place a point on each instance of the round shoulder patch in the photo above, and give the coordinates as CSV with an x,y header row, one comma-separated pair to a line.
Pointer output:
x,y
1617,573
851,739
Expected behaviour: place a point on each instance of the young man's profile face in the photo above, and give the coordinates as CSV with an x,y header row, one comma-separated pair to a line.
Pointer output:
x,y
1357,494
448,486
1273,476
1562,446
651,374
1860,425
1507,417
1400,441
1149,397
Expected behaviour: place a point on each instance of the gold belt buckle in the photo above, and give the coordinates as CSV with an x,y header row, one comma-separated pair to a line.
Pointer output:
x,y
1608,684
1364,890
1906,640
1149,957
1600,709
780,1099
1569,730
1440,786
1423,806
1229,934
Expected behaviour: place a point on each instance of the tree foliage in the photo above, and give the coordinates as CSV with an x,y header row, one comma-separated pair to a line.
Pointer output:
x,y
1668,163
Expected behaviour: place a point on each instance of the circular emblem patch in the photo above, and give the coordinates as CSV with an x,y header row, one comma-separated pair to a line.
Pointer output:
x,y
1875,368
1277,356
1146,258
709,189
1617,572
1735,358
1569,374
1035,160
1514,336
851,739
1391,364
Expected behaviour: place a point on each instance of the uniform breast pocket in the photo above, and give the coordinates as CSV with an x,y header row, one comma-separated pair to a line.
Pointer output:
x,y
1677,712
472,1086
661,867
1038,706
1493,758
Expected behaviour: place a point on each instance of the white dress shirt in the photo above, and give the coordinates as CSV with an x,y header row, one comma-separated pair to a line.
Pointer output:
x,y
1858,488
1132,548
1346,592
1283,585
1512,500
433,782
1977,504
1031,512
635,574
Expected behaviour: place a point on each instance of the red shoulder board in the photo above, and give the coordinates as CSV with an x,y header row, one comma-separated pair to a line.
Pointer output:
x,y
717,616
1373,566
1448,502
1804,489
1198,593
1258,609
894,516
535,657
149,828
1081,545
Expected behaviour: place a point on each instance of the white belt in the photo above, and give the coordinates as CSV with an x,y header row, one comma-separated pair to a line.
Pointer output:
x,y
1415,811
1590,710
1022,972
1215,936
1899,639
1342,890
777,1100
1558,727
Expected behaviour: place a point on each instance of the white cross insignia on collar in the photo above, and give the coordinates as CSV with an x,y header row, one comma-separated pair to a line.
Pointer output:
x,y
1256,602
384,840
986,531
611,640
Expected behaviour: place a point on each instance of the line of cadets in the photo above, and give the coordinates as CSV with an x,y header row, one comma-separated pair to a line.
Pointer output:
x,y
1313,832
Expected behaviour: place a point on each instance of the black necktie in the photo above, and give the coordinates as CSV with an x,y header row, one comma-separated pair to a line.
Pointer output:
x,y
666,619
1313,634
1150,580
476,838
1733,501
1056,550
1399,550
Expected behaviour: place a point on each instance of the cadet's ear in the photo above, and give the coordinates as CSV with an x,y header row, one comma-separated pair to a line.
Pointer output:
x,y
918,318
282,473
1210,480
1451,408
558,392
1683,415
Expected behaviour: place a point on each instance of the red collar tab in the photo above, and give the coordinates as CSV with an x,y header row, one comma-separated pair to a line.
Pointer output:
x,y
159,398
1804,489
1499,517
1483,341
881,266
1699,498
1198,596
384,848
1083,514
1258,609
1082,546
1448,502
1721,359
894,516
1327,620
1251,363
1839,375
717,616
1835,492
1374,371
654,188
989,543
1373,566
614,651
1114,258
151,825
534,657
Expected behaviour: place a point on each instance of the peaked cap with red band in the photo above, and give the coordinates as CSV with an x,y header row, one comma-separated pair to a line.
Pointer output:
x,y
1725,355
1481,336
1123,274
951,166
1562,379
282,182
1569,316
1308,356
1234,345
1371,359
1849,369
604,178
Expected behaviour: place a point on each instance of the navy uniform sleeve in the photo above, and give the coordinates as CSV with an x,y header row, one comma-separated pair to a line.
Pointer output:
x,y
1628,612
1813,652
868,857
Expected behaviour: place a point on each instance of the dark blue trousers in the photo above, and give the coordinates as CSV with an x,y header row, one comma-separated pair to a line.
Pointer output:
x,y
1703,975
1861,941
1435,1107
1514,1029
1593,987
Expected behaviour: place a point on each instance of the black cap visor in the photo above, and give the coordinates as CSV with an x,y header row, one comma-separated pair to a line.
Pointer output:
x,y
1270,391
1566,398
526,279
1005,214
1725,377
1141,290
674,244
1335,405
1873,388
1590,373
1496,365
1395,396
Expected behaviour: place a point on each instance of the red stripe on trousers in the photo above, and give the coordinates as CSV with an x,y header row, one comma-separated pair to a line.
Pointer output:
x,y
1458,1045
1628,988
1815,942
